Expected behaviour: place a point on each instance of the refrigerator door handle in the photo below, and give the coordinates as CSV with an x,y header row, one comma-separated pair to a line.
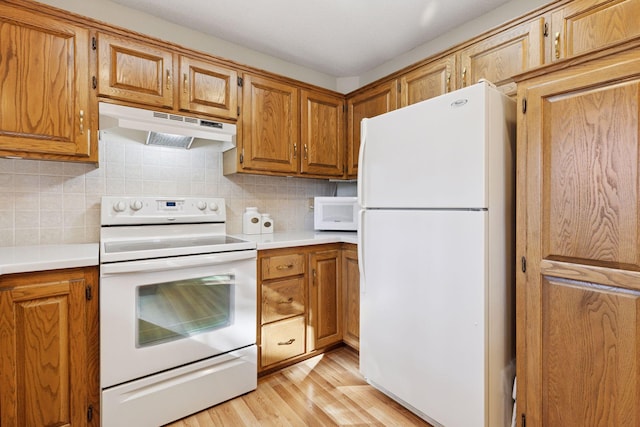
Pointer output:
x,y
361,250
363,142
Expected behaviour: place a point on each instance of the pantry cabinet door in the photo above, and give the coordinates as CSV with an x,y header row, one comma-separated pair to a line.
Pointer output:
x,y
44,86
270,125
578,288
135,71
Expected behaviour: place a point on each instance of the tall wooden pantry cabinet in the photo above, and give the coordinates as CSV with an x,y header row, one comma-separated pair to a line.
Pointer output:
x,y
578,223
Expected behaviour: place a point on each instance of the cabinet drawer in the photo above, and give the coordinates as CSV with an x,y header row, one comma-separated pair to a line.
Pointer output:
x,y
282,299
278,266
282,340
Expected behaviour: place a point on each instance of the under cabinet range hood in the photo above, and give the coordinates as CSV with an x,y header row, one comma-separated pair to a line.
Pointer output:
x,y
163,128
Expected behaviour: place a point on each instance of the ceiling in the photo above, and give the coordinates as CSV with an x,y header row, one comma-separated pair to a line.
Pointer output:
x,y
342,38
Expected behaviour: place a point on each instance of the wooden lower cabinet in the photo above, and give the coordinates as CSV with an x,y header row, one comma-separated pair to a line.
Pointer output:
x,y
578,243
350,296
49,370
301,310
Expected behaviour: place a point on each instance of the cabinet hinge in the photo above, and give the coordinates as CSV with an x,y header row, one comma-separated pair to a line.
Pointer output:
x,y
88,293
523,264
242,156
545,32
94,82
94,43
524,105
240,81
524,420
90,413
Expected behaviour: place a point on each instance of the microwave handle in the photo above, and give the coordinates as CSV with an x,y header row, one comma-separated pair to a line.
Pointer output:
x,y
173,263
361,251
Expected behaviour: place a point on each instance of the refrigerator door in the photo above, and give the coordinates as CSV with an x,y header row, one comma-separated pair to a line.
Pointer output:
x,y
433,154
422,324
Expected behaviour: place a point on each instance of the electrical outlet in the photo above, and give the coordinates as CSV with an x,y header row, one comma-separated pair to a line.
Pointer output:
x,y
311,206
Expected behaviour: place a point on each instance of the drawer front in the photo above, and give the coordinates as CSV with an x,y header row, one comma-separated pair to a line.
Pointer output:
x,y
282,340
278,266
282,299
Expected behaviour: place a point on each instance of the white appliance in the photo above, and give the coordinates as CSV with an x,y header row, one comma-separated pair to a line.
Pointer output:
x,y
338,213
436,256
164,129
177,309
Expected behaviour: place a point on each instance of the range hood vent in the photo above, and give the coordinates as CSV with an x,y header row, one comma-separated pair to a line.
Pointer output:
x,y
166,129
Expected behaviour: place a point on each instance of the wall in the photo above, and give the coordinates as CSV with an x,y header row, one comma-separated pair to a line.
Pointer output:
x,y
58,202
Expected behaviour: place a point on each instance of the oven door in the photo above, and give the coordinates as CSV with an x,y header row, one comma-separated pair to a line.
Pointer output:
x,y
162,313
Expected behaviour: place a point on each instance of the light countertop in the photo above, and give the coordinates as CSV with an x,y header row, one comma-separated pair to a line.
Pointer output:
x,y
300,238
22,259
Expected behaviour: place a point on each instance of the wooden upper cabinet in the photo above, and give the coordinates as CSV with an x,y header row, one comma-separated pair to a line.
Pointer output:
x,y
503,55
579,232
44,88
371,103
134,71
270,125
322,132
207,88
428,81
585,25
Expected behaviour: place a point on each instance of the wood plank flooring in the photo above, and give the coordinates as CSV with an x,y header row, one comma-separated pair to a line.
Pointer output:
x,y
326,390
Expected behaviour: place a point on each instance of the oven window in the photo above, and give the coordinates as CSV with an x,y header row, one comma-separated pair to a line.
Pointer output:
x,y
179,309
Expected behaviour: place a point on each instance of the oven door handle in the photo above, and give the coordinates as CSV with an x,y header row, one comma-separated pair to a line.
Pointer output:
x,y
177,262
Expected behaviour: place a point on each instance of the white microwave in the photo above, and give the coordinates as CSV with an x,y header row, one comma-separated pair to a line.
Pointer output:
x,y
336,213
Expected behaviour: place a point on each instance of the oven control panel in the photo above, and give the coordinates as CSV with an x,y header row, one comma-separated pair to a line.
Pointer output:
x,y
161,210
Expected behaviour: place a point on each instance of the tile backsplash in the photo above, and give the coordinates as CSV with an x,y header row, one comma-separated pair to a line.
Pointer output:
x,y
44,202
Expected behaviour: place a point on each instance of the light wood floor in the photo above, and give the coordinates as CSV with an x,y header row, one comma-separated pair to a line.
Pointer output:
x,y
326,390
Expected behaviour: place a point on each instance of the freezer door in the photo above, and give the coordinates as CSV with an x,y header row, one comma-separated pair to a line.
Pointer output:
x,y
436,153
422,321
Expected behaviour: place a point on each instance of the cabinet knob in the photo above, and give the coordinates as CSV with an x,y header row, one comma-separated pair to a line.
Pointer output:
x,y
556,44
184,83
81,122
284,266
291,341
169,79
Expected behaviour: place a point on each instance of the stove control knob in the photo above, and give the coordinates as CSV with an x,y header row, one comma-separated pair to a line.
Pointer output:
x,y
201,205
213,206
119,206
136,205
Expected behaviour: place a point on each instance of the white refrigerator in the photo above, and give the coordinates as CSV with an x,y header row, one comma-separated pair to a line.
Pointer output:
x,y
436,238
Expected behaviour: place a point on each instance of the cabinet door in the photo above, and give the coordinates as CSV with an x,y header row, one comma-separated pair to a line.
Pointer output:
x,y
322,130
585,25
373,102
134,71
47,370
428,81
325,318
502,56
208,89
351,297
579,229
270,125
44,87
